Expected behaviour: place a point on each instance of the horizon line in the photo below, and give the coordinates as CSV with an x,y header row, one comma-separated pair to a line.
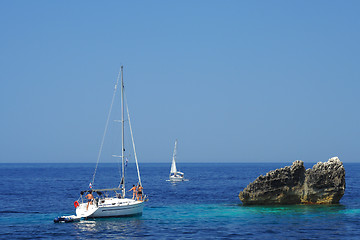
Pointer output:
x,y
161,162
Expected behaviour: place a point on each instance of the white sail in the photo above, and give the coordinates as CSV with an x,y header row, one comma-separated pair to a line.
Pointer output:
x,y
173,164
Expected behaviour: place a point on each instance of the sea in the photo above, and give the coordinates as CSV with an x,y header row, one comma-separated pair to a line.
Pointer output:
x,y
205,207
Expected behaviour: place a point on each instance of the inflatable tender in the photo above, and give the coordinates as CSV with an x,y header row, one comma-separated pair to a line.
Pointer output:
x,y
66,219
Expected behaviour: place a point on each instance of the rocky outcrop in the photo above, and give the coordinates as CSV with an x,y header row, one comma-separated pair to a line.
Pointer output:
x,y
323,184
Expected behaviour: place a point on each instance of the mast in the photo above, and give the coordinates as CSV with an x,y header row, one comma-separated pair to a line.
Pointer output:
x,y
123,133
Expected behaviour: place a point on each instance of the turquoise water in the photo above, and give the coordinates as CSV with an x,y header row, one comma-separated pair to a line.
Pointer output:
x,y
205,207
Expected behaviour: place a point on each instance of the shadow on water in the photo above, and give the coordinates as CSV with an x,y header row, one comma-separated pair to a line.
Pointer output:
x,y
111,224
118,228
292,209
237,211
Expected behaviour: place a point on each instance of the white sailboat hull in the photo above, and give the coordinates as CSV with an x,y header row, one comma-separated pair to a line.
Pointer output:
x,y
111,207
176,179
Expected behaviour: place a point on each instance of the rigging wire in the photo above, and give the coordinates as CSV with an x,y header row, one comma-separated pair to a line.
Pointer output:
x,y
133,143
106,128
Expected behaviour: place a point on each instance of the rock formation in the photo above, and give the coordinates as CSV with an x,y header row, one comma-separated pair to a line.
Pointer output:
x,y
323,184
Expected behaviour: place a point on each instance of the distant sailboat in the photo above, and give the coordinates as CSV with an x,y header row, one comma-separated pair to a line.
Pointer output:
x,y
175,175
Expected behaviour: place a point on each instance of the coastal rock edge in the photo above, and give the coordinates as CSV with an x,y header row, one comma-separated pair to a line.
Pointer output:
x,y
324,183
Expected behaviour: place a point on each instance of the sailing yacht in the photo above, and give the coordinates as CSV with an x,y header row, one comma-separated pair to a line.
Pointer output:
x,y
175,175
109,202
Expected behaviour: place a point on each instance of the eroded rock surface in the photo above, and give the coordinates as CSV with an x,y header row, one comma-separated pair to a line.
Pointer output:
x,y
323,184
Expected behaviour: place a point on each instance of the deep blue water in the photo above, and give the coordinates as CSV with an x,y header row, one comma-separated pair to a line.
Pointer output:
x,y
205,207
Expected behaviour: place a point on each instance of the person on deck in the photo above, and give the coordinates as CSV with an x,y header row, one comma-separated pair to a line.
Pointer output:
x,y
90,198
134,191
140,188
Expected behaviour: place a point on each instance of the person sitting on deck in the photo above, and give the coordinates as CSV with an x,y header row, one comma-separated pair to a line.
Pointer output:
x,y
134,191
140,188
90,198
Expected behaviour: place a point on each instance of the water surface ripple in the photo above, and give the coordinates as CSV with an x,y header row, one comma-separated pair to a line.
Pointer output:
x,y
205,207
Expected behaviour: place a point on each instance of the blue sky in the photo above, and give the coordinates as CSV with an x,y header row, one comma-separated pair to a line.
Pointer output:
x,y
233,81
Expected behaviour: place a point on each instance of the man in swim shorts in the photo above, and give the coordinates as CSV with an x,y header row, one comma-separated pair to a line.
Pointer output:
x,y
140,188
90,198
